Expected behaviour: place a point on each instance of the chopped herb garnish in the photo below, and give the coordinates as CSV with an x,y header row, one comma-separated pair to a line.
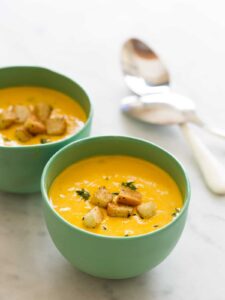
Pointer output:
x,y
104,227
115,193
128,232
83,194
44,141
130,185
176,212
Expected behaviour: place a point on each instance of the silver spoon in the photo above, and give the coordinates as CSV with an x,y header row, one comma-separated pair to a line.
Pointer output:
x,y
147,77
145,74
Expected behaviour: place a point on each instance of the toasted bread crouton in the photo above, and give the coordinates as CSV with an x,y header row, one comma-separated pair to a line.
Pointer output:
x,y
56,113
146,210
56,125
22,113
129,197
32,109
101,197
114,210
7,118
22,134
93,218
42,111
34,126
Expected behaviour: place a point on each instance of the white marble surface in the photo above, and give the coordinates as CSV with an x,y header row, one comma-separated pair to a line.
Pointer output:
x,y
82,39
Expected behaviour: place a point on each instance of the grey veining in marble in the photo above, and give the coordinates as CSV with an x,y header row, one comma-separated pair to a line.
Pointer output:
x,y
82,39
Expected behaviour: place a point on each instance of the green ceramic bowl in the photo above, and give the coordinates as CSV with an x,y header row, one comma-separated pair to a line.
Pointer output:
x,y
113,257
21,166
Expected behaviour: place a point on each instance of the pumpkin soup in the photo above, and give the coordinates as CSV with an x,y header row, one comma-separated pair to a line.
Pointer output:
x,y
116,196
37,115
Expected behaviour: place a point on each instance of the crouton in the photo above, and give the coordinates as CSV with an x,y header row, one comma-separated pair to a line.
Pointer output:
x,y
129,197
22,113
101,197
56,112
34,126
7,118
122,211
31,108
93,218
22,134
56,125
146,210
42,111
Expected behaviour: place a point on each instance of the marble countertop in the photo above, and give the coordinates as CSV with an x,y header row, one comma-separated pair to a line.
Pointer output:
x,y
82,39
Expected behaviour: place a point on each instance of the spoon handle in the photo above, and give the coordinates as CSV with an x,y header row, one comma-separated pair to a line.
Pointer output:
x,y
211,169
210,129
215,131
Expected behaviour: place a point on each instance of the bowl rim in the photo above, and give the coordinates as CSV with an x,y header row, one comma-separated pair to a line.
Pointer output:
x,y
45,197
66,139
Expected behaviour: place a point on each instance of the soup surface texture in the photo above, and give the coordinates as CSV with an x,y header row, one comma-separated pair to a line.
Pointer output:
x,y
61,105
72,191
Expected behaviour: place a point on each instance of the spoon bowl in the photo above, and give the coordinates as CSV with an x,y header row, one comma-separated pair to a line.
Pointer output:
x,y
146,76
161,109
144,73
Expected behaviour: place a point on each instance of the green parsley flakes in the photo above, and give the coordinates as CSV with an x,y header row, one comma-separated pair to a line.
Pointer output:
x,y
83,194
130,185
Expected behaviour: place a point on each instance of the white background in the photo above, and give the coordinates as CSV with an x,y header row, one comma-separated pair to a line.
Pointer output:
x,y
82,39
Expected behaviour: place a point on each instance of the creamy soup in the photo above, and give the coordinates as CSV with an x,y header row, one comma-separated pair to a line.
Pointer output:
x,y
116,196
34,115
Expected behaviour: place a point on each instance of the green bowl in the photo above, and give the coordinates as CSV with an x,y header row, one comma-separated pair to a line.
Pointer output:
x,y
113,257
21,166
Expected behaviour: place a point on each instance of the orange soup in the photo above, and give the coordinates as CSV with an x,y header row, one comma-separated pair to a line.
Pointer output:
x,y
116,196
34,115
